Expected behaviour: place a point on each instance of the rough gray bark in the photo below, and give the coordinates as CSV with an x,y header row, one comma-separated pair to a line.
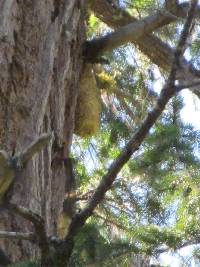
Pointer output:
x,y
40,61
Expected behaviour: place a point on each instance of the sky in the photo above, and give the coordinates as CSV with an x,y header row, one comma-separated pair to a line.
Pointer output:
x,y
191,110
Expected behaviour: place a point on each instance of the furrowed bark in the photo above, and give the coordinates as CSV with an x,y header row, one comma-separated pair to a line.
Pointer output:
x,y
40,51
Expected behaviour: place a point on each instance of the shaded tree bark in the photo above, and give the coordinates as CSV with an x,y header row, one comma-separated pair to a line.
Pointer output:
x,y
40,63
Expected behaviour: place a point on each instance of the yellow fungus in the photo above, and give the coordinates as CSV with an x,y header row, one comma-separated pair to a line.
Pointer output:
x,y
88,105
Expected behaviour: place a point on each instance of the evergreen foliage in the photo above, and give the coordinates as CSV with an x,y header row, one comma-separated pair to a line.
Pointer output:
x,y
153,206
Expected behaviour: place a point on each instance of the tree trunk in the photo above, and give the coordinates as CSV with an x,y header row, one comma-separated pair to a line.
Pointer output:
x,y
40,63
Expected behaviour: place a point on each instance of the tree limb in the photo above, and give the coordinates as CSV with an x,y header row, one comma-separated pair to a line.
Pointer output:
x,y
178,53
157,51
181,10
132,146
33,148
188,85
128,33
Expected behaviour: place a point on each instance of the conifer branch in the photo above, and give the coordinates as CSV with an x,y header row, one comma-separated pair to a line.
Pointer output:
x,y
111,222
133,145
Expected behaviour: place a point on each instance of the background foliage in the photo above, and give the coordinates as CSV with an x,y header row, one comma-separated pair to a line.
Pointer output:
x,y
154,205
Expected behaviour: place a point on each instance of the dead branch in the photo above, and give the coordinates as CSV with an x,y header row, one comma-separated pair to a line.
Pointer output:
x,y
35,147
17,235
